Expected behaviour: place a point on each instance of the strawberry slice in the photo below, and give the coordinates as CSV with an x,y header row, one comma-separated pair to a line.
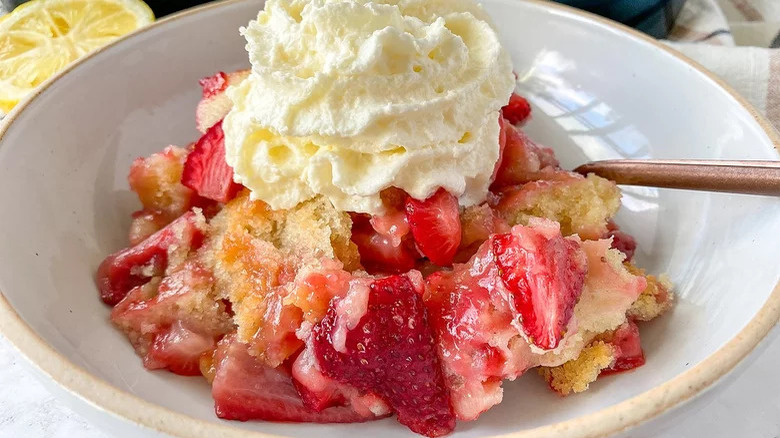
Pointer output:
x,y
318,400
215,104
145,223
393,225
470,330
319,392
174,321
134,266
621,241
390,352
179,350
206,171
244,388
624,243
383,252
544,274
521,159
501,146
517,110
435,225
213,85
629,353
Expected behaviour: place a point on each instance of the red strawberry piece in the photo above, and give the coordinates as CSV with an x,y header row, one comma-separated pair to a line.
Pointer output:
x,y
214,84
174,321
179,350
629,349
467,325
379,253
391,353
134,266
622,241
319,392
544,274
244,388
318,400
501,146
392,225
145,223
206,171
435,225
522,160
517,110
215,104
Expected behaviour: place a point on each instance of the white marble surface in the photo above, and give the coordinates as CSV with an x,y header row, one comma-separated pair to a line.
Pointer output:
x,y
748,408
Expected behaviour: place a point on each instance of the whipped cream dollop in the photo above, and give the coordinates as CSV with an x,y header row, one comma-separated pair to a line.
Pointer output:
x,y
349,97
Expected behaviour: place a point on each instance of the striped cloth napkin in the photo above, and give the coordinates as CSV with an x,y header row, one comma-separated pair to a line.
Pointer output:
x,y
738,40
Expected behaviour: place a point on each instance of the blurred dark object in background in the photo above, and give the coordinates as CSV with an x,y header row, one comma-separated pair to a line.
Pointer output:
x,y
165,7
160,7
9,5
653,17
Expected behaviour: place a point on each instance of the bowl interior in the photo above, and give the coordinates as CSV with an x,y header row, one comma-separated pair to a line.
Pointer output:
x,y
597,93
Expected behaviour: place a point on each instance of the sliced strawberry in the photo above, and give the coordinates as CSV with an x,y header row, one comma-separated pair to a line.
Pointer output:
x,y
319,392
475,317
521,159
390,352
384,242
244,388
134,266
435,225
545,274
318,400
469,328
174,321
477,314
380,254
206,171
214,84
501,146
145,223
215,104
517,110
179,350
392,225
622,241
629,353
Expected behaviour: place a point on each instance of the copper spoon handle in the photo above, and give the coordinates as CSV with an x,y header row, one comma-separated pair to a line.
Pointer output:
x,y
751,176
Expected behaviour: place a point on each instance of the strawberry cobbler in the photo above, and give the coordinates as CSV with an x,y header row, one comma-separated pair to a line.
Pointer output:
x,y
364,230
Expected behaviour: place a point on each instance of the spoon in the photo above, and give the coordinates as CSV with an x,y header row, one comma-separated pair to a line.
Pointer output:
x,y
752,177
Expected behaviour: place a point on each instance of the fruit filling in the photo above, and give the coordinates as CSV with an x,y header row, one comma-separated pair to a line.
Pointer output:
x,y
310,275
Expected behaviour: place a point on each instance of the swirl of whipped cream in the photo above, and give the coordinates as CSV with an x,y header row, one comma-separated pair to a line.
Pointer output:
x,y
349,97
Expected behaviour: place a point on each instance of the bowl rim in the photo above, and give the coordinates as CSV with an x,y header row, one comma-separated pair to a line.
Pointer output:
x,y
626,414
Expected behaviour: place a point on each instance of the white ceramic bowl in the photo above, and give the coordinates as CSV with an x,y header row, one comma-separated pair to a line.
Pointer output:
x,y
598,91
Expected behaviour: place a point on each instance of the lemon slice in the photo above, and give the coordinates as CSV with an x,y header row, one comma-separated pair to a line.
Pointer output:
x,y
41,37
